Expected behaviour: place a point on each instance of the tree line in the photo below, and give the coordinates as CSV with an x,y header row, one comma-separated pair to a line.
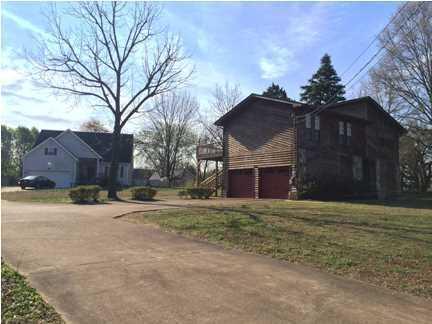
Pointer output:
x,y
15,143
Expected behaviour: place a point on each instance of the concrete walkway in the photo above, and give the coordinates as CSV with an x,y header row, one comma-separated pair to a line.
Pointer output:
x,y
96,269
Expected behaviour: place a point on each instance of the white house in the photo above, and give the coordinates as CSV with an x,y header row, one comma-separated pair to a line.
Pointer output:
x,y
69,158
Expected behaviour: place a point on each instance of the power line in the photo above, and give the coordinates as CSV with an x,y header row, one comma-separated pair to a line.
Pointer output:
x,y
374,40
317,111
383,46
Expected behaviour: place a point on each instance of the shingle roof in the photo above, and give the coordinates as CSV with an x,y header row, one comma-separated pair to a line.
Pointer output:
x,y
306,107
100,142
253,96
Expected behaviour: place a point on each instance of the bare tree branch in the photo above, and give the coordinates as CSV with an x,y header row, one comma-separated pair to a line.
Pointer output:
x,y
114,55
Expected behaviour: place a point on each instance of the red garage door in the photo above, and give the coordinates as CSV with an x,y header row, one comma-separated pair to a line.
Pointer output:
x,y
274,182
241,183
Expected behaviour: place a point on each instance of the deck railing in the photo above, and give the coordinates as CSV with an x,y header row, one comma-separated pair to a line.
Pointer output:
x,y
209,152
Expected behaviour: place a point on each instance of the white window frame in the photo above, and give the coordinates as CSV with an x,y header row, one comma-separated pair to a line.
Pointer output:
x,y
349,129
317,123
341,128
308,121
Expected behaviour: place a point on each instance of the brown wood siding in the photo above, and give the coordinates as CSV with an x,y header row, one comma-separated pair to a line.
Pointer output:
x,y
261,136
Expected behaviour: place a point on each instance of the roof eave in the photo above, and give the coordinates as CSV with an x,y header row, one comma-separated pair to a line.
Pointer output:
x,y
235,109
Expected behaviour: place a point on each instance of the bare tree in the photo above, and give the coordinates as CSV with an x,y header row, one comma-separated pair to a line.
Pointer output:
x,y
224,98
386,97
416,158
169,141
115,56
406,68
94,125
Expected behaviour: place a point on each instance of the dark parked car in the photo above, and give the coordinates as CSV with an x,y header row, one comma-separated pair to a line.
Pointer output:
x,y
37,182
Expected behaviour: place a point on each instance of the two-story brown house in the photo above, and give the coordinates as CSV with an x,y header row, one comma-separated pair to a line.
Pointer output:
x,y
279,149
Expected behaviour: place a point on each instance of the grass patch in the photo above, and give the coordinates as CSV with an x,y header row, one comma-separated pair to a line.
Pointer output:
x,y
21,303
62,195
386,245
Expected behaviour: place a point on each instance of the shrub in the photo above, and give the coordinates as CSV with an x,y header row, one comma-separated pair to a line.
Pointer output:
x,y
143,193
82,194
199,192
182,194
331,188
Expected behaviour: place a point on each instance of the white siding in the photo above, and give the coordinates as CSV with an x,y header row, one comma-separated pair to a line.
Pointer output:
x,y
60,168
74,144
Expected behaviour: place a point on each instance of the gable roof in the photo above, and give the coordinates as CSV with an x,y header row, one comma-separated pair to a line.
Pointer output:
x,y
99,142
68,131
371,101
249,99
296,104
52,139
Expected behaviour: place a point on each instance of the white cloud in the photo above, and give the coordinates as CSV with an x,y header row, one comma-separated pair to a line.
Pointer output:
x,y
24,102
280,53
24,24
277,62
9,76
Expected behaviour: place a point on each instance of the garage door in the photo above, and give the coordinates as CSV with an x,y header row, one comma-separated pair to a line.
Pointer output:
x,y
63,179
241,183
274,182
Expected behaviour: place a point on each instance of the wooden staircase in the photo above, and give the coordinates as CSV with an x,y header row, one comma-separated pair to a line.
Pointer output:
x,y
210,182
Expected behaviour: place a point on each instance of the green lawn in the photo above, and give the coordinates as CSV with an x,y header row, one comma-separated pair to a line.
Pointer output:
x,y
61,195
386,244
22,304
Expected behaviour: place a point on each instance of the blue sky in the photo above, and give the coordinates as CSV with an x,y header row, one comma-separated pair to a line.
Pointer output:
x,y
251,44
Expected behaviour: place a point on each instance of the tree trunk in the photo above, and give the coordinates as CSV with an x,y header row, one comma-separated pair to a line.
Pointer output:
x,y
112,181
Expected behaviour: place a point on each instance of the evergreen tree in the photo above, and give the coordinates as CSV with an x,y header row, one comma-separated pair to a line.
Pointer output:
x,y
275,91
325,86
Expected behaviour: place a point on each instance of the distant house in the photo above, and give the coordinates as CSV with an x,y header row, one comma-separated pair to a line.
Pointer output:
x,y
157,181
69,157
276,148
140,177
183,177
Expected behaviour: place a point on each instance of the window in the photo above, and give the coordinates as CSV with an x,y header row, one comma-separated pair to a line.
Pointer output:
x,y
357,168
341,132
121,171
316,131
349,132
50,151
308,121
106,171
317,123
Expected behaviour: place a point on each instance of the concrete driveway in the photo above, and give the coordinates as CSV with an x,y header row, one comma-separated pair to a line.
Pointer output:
x,y
96,269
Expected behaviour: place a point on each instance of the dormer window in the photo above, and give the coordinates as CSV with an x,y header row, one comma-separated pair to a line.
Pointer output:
x,y
50,151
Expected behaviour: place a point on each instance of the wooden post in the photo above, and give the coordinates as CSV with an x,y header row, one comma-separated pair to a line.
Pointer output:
x,y
198,173
216,179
